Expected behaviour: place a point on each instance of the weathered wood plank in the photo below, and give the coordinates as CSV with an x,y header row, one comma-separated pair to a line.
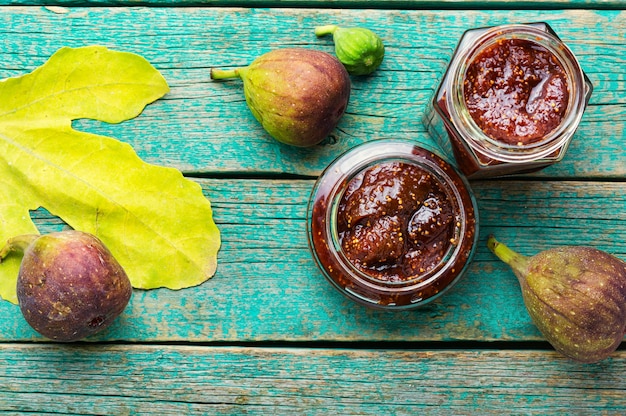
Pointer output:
x,y
189,380
267,287
205,127
341,4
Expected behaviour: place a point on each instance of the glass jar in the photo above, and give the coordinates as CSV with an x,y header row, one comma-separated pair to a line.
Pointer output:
x,y
391,224
510,101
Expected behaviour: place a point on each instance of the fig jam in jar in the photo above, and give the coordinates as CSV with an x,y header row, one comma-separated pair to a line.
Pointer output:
x,y
392,225
510,101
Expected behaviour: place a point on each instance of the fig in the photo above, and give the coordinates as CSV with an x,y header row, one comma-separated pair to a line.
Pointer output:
x,y
359,49
575,295
298,95
69,285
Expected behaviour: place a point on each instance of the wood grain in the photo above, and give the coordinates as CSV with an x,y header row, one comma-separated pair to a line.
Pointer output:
x,y
232,344
266,274
232,380
60,5
267,287
204,127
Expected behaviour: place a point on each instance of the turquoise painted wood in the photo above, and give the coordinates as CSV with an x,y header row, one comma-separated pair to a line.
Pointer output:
x,y
267,334
345,4
207,118
275,269
286,381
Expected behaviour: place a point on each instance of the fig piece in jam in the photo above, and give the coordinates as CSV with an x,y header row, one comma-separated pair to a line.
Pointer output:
x,y
403,224
392,225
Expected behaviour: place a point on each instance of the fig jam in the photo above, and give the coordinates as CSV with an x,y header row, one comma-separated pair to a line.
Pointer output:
x,y
392,225
516,91
510,101
395,221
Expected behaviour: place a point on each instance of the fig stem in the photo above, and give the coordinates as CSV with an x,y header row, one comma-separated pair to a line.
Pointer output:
x,y
325,30
518,262
225,73
17,244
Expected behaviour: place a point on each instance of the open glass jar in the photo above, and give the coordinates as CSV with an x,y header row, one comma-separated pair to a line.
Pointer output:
x,y
510,101
391,224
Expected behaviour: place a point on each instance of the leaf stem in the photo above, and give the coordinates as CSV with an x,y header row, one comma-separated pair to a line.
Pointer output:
x,y
325,30
17,244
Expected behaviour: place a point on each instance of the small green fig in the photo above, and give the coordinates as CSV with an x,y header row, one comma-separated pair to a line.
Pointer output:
x,y
575,295
69,285
298,95
359,49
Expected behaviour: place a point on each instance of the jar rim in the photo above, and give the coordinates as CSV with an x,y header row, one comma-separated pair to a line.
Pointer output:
x,y
475,137
331,186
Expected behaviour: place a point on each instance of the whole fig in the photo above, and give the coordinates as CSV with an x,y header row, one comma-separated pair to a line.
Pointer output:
x,y
575,295
359,49
298,95
69,284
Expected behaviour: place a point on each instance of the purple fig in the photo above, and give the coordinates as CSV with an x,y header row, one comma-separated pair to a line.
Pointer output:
x,y
298,95
575,295
69,285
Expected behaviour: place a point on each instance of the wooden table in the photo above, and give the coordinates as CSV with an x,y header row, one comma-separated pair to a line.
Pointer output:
x,y
267,334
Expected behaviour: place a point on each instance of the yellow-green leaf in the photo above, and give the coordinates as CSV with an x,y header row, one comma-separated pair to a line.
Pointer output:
x,y
157,224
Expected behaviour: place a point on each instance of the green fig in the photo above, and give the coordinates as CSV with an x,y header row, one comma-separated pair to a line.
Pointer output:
x,y
575,295
298,95
69,285
359,49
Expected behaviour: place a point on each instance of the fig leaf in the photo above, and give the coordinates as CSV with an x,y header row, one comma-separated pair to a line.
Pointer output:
x,y
157,224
